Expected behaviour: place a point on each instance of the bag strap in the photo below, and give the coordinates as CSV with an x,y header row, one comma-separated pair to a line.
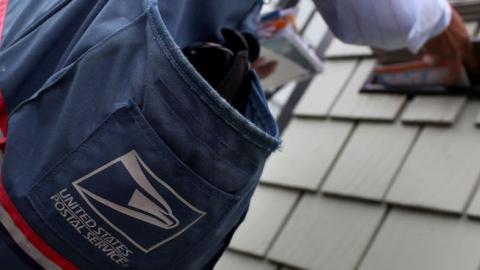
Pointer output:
x,y
3,122
3,107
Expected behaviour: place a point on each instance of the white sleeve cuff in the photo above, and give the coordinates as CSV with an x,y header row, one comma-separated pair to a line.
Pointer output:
x,y
424,29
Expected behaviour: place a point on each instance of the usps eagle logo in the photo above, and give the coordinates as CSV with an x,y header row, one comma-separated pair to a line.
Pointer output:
x,y
136,203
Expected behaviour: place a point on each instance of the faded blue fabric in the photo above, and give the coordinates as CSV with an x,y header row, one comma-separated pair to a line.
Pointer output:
x,y
110,121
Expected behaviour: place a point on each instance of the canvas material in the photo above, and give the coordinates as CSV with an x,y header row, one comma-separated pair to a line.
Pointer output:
x,y
119,154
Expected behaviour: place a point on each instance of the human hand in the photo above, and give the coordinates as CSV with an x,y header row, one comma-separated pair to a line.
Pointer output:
x,y
264,68
452,48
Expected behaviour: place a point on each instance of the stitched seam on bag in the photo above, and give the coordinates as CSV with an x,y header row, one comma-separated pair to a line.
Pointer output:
x,y
41,20
61,163
100,132
256,103
192,116
147,130
229,119
61,73
230,163
35,187
209,232
239,126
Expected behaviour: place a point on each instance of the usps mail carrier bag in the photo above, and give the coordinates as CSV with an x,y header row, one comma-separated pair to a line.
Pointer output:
x,y
118,153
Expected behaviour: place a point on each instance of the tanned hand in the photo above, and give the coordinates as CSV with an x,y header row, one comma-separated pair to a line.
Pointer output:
x,y
452,47
264,68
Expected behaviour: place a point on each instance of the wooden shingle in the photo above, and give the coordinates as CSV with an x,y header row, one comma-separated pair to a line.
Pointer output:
x,y
339,49
315,31
370,160
309,149
234,261
278,101
437,110
355,105
268,211
474,209
442,168
305,10
422,241
325,89
326,233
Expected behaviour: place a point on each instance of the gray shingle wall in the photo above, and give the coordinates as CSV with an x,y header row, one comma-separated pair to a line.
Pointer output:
x,y
369,182
235,261
436,110
325,89
339,49
309,149
370,161
443,168
354,105
269,210
325,233
420,241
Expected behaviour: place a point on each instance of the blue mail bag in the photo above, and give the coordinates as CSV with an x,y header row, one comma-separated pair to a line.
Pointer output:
x,y
119,154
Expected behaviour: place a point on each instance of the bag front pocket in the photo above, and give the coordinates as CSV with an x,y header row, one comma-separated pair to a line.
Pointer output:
x,y
123,198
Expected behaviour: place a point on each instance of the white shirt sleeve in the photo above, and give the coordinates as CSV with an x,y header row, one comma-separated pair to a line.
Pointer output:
x,y
387,24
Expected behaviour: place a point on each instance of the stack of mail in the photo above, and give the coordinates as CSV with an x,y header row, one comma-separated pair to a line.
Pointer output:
x,y
296,60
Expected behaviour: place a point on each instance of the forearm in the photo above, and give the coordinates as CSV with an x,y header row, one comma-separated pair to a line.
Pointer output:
x,y
387,24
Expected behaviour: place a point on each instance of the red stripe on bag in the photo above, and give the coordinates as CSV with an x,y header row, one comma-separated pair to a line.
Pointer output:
x,y
3,14
3,107
42,253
